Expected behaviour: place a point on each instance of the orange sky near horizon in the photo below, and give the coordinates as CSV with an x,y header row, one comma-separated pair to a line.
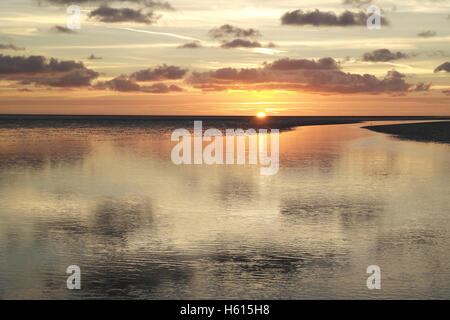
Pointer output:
x,y
114,65
224,103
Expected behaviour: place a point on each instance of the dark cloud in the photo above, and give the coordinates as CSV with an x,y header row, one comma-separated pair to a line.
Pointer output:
x,y
383,55
112,15
125,84
305,64
191,45
10,46
228,30
322,76
357,3
61,29
122,84
160,73
63,66
443,67
162,5
427,34
421,87
446,92
130,83
55,73
161,88
76,78
94,57
36,69
318,18
240,43
11,65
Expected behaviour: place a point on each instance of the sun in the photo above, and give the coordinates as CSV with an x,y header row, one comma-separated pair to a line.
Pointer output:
x,y
261,115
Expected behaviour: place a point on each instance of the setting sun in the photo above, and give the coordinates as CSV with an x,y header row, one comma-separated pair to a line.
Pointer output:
x,y
261,115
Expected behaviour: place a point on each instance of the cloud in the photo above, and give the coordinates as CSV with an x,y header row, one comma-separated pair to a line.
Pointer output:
x,y
318,18
130,83
383,55
63,66
76,78
321,76
240,43
427,34
162,5
113,15
228,30
191,45
443,67
36,69
160,73
446,92
125,84
94,57
60,29
305,64
161,88
122,84
421,87
11,65
10,46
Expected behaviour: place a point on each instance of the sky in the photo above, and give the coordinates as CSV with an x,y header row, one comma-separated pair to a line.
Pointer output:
x,y
215,57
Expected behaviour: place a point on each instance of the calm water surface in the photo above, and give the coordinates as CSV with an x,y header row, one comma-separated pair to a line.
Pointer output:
x,y
111,201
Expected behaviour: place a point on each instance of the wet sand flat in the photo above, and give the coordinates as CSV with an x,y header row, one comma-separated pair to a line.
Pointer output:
x,y
427,132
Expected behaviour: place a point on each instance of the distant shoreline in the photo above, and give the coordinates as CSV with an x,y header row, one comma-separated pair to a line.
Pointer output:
x,y
220,122
424,131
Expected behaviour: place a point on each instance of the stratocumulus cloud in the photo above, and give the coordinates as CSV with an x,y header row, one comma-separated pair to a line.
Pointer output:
x,y
228,30
111,15
383,55
130,83
241,43
443,67
427,34
321,76
10,46
125,84
163,72
41,71
319,18
61,29
191,45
